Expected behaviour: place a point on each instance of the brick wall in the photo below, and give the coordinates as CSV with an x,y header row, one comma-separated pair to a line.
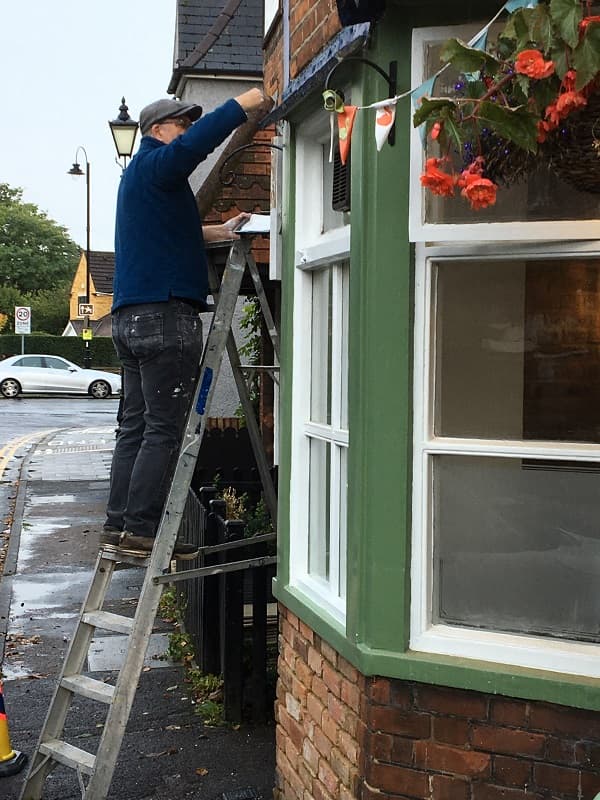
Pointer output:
x,y
341,735
312,24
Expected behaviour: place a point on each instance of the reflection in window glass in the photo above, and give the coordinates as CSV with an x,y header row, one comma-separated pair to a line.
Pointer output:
x,y
320,387
517,546
540,196
518,349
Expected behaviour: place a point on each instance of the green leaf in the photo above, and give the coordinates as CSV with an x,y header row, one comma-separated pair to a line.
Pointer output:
x,y
561,63
566,15
468,59
586,56
453,131
431,110
540,27
516,124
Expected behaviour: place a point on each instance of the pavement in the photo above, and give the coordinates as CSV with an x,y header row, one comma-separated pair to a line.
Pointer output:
x,y
168,752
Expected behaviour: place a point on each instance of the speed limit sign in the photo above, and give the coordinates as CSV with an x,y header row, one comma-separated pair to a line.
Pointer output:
x,y
22,319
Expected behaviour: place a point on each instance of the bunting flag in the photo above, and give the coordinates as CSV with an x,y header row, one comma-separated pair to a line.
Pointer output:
x,y
345,123
515,5
384,119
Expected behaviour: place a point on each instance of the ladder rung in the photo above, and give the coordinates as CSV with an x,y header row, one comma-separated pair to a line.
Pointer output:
x,y
89,687
120,557
107,621
69,755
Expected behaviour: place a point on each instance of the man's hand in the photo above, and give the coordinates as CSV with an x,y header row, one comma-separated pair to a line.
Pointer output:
x,y
226,231
255,100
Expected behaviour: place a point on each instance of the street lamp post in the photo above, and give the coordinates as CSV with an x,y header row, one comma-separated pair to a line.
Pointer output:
x,y
123,130
77,171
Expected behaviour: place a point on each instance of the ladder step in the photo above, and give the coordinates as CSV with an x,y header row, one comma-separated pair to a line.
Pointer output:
x,y
107,621
125,558
89,687
69,755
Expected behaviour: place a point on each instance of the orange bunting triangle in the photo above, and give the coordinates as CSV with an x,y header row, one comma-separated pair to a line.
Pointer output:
x,y
345,123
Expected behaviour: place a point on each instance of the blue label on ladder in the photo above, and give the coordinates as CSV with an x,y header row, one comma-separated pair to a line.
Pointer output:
x,y
204,388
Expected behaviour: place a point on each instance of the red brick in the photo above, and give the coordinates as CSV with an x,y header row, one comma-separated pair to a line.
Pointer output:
x,y
314,708
350,695
560,751
347,794
304,673
330,726
351,723
307,632
371,793
322,743
402,694
284,766
315,661
444,787
506,740
310,754
341,766
293,706
379,691
563,721
286,631
432,756
292,754
320,792
590,784
301,646
508,712
403,751
299,691
485,791
292,619
452,701
348,671
380,746
588,754
292,728
561,780
348,746
319,688
329,653
328,778
306,777
332,679
399,780
451,730
336,709
392,720
511,771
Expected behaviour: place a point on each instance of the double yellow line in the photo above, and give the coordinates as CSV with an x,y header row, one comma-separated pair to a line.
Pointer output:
x,y
8,451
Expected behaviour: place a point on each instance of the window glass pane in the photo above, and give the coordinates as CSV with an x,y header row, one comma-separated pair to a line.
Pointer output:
x,y
319,508
56,363
29,361
344,303
343,456
320,406
517,546
540,196
518,349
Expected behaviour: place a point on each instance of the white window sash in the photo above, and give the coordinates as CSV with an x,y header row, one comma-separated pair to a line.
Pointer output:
x,y
575,658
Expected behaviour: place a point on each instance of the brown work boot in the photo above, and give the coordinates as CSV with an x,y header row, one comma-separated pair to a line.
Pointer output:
x,y
131,544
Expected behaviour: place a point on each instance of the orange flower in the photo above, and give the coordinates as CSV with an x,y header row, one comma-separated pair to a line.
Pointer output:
x,y
480,192
568,102
472,173
532,64
436,180
543,129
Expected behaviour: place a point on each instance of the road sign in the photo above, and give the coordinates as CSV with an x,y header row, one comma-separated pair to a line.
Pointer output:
x,y
22,319
86,334
85,310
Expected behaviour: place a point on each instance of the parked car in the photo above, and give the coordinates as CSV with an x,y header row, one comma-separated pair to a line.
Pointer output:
x,y
36,373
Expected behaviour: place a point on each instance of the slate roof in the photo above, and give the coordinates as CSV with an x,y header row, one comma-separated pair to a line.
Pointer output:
x,y
102,269
237,51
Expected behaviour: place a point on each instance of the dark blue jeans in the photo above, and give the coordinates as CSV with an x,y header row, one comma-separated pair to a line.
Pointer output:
x,y
159,346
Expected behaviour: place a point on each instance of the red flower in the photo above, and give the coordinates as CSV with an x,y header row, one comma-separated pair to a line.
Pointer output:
x,y
585,22
532,64
472,173
568,102
480,192
436,180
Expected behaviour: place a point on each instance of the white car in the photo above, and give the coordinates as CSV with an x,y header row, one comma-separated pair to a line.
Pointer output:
x,y
35,373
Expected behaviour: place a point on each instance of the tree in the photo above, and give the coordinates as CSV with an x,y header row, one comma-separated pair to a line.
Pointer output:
x,y
35,252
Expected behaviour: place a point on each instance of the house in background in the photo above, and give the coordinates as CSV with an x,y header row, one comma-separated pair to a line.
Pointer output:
x,y
102,268
439,546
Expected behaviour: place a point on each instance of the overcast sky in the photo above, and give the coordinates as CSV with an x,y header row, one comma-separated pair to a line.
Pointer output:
x,y
64,66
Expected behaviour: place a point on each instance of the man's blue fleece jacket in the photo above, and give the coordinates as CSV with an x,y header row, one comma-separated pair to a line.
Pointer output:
x,y
159,247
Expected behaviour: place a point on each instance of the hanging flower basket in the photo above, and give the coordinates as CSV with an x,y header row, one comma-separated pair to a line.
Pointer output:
x,y
530,97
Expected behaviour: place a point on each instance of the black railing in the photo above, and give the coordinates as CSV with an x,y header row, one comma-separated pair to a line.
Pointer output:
x,y
227,613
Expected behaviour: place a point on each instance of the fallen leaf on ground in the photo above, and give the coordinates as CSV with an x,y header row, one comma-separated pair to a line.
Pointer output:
x,y
201,771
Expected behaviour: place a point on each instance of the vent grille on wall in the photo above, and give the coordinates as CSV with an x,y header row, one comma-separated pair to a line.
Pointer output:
x,y
340,190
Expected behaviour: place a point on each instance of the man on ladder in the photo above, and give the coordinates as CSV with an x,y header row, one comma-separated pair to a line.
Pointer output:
x,y
160,287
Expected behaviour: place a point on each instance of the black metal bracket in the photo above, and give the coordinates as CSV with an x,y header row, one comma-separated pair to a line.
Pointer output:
x,y
228,179
391,77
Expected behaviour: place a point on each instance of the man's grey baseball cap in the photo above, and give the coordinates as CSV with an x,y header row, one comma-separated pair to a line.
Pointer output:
x,y
165,109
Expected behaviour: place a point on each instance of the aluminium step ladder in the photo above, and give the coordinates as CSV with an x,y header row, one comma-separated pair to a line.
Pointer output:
x,y
95,771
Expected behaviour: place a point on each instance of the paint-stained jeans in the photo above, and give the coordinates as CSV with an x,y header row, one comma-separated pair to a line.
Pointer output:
x,y
159,346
